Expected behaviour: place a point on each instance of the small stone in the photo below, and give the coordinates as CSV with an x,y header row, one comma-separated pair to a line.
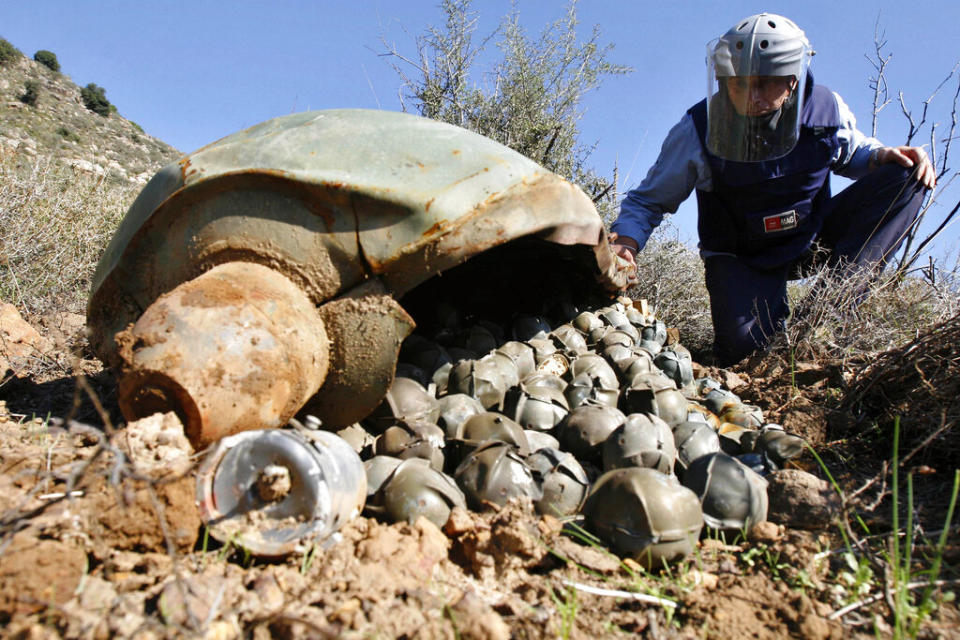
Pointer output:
x,y
18,340
633,565
180,601
190,599
221,630
98,595
714,545
156,444
269,592
766,532
732,380
591,558
801,500
127,621
476,620
703,579
549,526
274,482
345,613
433,543
459,522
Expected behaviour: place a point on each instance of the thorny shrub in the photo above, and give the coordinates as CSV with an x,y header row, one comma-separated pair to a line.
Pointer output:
x,y
67,134
849,313
836,314
54,224
917,383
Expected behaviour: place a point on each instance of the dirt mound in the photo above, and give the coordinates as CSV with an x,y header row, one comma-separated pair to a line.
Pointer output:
x,y
919,384
800,396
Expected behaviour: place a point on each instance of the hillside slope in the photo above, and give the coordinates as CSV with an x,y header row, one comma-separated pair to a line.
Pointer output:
x,y
60,126
67,176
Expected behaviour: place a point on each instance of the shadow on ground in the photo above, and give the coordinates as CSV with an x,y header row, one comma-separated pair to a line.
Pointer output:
x,y
63,398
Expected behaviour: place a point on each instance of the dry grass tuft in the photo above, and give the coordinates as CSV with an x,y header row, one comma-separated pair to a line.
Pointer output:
x,y
849,314
54,224
671,279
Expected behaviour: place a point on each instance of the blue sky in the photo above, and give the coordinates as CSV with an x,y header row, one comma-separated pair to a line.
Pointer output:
x,y
192,72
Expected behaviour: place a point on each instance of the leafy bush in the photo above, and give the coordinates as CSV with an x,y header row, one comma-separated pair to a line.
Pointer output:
x,y
47,59
95,98
67,134
8,52
31,91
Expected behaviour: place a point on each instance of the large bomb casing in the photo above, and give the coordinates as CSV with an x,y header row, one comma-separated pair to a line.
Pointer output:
x,y
355,209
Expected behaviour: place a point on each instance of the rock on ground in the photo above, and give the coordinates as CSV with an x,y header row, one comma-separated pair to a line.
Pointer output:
x,y
156,445
800,499
18,340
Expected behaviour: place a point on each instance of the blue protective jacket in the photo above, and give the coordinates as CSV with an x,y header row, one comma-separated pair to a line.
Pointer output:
x,y
768,213
684,165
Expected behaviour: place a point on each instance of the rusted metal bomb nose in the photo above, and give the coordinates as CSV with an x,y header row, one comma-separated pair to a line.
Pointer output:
x,y
240,347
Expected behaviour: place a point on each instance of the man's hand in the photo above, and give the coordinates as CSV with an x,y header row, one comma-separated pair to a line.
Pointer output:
x,y
909,157
624,247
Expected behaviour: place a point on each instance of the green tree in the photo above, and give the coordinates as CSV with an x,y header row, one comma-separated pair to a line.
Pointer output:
x,y
95,99
8,52
47,59
532,100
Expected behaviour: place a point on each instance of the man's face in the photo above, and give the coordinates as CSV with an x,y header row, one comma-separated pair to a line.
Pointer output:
x,y
759,95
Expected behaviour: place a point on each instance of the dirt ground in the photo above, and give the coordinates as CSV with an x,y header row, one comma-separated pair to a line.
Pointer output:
x,y
95,546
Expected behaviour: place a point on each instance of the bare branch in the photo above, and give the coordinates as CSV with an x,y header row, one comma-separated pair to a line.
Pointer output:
x,y
948,141
930,238
912,131
915,127
881,96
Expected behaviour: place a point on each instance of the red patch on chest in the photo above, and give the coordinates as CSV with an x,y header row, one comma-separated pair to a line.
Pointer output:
x,y
780,221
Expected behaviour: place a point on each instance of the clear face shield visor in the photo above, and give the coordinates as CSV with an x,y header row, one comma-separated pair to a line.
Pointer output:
x,y
754,98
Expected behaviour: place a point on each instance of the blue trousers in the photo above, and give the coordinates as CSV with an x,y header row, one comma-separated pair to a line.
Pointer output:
x,y
863,227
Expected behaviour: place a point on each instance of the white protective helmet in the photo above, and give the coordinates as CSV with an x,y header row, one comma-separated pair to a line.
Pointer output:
x,y
760,57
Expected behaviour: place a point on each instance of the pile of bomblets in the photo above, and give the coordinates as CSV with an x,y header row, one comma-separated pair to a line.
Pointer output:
x,y
597,419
